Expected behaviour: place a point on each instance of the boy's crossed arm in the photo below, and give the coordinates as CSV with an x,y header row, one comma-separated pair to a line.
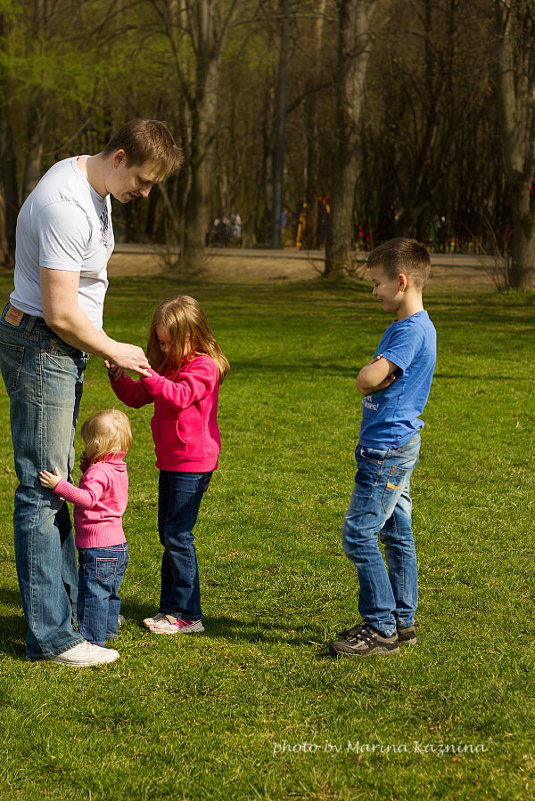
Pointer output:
x,y
376,375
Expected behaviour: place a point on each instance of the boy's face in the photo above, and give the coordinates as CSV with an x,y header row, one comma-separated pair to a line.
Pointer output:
x,y
387,289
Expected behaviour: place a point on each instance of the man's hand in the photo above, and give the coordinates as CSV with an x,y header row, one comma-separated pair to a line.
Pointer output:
x,y
376,376
130,357
50,480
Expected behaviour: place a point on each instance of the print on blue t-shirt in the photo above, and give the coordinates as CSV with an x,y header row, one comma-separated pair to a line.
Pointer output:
x,y
391,417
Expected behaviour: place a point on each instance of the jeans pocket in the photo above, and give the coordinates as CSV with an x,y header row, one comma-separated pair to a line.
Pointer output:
x,y
11,357
105,568
371,454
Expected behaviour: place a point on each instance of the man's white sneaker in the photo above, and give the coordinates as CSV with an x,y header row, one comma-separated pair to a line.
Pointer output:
x,y
85,654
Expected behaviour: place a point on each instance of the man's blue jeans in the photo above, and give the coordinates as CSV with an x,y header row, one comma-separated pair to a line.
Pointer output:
x,y
381,505
180,496
43,377
99,602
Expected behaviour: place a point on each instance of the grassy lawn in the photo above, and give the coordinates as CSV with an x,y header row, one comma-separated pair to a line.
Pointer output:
x,y
255,709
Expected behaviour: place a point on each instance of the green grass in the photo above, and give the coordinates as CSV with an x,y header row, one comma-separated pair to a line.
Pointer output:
x,y
201,718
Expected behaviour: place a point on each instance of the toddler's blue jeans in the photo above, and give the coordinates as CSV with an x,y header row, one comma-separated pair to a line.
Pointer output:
x,y
180,496
99,603
381,505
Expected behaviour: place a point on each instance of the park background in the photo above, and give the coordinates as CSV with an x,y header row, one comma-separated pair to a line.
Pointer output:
x,y
438,135
394,117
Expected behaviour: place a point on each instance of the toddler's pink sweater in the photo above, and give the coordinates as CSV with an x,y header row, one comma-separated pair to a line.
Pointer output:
x,y
99,503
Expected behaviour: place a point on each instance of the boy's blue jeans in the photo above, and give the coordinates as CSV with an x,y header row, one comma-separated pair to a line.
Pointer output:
x,y
43,377
180,496
381,505
99,603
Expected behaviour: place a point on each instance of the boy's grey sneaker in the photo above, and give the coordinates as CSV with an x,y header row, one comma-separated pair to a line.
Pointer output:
x,y
85,654
406,634
365,641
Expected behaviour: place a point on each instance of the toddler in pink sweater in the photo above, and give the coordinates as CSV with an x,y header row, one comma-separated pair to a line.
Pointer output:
x,y
99,504
187,366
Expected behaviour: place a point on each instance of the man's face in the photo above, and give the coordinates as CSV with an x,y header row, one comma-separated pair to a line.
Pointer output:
x,y
387,289
129,182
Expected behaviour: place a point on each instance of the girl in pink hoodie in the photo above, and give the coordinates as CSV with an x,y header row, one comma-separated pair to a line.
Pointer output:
x,y
99,504
187,367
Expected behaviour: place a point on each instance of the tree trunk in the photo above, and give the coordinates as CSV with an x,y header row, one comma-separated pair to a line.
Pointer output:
x,y
353,56
516,106
522,248
8,169
313,190
278,153
208,22
10,187
36,124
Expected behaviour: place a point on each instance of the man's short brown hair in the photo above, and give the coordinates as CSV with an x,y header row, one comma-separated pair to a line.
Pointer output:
x,y
147,140
402,255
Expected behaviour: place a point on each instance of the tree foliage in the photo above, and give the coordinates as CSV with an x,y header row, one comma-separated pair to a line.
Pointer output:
x,y
431,135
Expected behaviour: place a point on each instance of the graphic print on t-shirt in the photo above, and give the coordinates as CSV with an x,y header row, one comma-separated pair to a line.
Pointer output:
x,y
105,227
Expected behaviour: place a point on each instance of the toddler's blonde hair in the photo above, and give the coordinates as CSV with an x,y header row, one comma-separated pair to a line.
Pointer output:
x,y
190,335
106,432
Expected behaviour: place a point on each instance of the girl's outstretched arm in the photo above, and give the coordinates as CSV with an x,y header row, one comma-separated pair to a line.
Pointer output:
x,y
132,393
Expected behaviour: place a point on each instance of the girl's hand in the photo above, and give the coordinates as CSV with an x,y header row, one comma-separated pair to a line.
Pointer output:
x,y
84,462
50,480
113,371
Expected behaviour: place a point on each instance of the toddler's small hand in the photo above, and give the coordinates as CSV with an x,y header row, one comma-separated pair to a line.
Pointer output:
x,y
50,480
84,461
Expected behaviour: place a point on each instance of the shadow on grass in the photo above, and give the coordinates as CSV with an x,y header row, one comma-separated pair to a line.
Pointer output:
x,y
12,626
231,628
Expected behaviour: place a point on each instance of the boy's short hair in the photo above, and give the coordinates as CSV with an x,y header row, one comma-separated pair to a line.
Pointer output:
x,y
402,255
146,140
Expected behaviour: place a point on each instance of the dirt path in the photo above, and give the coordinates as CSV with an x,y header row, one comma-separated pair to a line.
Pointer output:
x,y
252,267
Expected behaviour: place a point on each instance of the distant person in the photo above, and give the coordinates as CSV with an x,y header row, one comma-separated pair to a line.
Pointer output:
x,y
187,367
99,504
236,227
52,323
395,386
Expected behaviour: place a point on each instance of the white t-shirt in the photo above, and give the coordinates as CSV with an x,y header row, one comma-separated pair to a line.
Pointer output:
x,y
64,225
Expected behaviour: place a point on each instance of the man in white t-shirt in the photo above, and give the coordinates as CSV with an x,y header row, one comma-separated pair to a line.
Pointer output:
x,y
51,324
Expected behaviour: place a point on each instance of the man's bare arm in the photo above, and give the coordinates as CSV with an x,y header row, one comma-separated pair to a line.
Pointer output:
x,y
59,291
376,375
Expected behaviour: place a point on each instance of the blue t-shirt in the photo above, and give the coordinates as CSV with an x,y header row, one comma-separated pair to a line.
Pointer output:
x,y
390,418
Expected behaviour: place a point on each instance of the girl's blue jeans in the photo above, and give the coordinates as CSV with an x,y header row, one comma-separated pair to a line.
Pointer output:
x,y
43,377
99,603
381,506
180,496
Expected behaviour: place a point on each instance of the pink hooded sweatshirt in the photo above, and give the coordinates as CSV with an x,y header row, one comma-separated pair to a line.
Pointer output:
x,y
184,425
99,503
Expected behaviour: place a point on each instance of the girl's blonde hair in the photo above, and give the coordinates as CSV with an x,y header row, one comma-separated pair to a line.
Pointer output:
x,y
190,335
106,432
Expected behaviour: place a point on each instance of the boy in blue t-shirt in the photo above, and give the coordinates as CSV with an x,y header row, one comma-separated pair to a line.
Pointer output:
x,y
395,386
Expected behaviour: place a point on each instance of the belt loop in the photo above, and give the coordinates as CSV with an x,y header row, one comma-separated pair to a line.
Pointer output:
x,y
30,325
